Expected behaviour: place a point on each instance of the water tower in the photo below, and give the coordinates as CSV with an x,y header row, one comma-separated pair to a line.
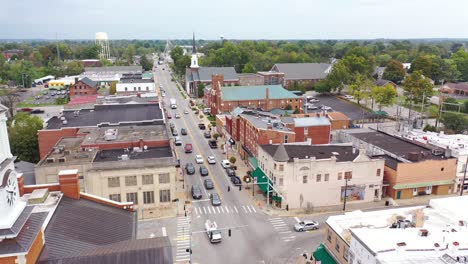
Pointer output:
x,y
103,42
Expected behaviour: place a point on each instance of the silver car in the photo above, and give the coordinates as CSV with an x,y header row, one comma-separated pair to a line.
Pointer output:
x,y
306,225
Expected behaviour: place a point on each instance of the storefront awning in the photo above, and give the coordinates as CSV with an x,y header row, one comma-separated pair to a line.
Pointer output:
x,y
321,254
421,184
247,150
253,162
262,180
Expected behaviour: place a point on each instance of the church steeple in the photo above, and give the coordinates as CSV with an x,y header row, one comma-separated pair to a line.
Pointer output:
x,y
194,59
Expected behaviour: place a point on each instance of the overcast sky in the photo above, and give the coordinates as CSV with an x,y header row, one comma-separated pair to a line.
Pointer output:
x,y
234,19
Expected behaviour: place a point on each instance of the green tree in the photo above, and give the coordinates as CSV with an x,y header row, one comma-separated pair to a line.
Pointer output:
x,y
90,52
322,87
455,121
338,77
23,137
145,63
361,87
384,95
233,160
201,89
113,88
461,60
417,86
129,53
449,71
176,53
249,68
73,68
383,60
394,72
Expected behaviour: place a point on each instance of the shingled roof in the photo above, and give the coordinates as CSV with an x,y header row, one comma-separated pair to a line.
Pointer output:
x,y
204,74
89,82
281,154
303,71
345,153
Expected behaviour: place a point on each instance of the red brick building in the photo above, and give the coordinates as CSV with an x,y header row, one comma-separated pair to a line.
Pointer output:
x,y
266,97
84,86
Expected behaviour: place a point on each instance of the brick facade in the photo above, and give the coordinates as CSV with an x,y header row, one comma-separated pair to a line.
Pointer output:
x,y
81,88
318,134
48,138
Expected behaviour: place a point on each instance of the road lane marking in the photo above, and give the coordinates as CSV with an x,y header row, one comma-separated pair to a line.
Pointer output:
x,y
243,207
204,210
235,208
248,208
276,218
214,210
285,232
218,210
208,209
198,201
164,232
227,209
221,209
253,208
297,219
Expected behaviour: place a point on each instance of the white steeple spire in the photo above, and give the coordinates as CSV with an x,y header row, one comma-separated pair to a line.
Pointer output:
x,y
194,59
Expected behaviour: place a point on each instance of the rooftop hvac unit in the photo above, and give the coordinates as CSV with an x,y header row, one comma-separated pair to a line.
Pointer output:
x,y
125,157
65,122
437,152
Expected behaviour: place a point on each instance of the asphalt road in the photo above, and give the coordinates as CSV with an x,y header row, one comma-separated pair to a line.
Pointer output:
x,y
256,237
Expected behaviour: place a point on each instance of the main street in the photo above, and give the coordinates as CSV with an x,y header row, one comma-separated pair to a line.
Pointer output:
x,y
255,236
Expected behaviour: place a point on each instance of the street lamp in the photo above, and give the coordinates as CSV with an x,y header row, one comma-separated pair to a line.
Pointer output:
x,y
347,178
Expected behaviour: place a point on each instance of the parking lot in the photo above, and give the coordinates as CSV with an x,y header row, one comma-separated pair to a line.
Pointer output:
x,y
339,105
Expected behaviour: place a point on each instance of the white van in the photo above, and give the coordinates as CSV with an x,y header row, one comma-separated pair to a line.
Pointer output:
x,y
225,164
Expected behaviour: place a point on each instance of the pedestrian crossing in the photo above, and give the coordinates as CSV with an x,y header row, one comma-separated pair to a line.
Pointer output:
x,y
182,240
225,209
285,232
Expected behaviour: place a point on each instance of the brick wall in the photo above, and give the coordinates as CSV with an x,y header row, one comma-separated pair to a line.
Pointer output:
x,y
70,185
120,145
331,240
48,138
318,134
217,82
36,248
8,260
80,88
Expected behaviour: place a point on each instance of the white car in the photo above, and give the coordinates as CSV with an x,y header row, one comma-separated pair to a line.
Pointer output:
x,y
313,100
306,225
324,107
199,159
211,160
226,164
347,96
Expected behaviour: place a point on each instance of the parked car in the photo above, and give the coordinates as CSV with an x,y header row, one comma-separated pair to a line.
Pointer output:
x,y
189,168
188,148
215,200
207,134
236,180
26,109
183,131
211,160
347,96
230,172
202,126
174,132
213,144
169,116
203,170
312,107
306,225
324,107
225,163
178,141
208,184
196,192
186,112
199,159
177,115
313,100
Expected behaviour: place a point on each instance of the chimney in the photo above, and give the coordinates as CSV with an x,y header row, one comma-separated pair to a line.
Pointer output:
x,y
419,218
69,183
76,80
267,99
20,185
142,144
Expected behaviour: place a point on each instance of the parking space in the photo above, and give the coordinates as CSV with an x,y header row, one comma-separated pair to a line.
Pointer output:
x,y
339,105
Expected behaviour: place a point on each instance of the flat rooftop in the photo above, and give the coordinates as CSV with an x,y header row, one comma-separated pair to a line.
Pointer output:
x,y
127,80
263,121
443,220
68,150
110,115
149,153
397,146
342,153
123,134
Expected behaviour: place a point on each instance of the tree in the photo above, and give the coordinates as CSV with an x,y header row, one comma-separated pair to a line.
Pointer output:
x,y
9,100
129,53
145,63
322,87
461,60
90,52
233,160
417,86
249,68
384,95
201,89
449,71
73,68
423,64
455,121
23,137
113,88
338,77
383,60
394,72
361,87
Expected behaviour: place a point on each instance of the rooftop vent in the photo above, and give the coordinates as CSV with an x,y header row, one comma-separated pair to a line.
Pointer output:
x,y
125,157
423,232
414,156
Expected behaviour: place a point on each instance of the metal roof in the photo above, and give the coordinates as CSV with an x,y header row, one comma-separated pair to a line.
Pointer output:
x,y
257,92
82,225
114,69
303,71
89,82
317,151
205,73
311,121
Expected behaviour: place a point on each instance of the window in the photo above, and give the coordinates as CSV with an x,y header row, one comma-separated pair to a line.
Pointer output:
x,y
113,182
340,176
164,178
134,89
319,177
337,245
147,88
329,235
148,197
147,179
115,197
130,180
378,173
139,88
306,130
345,253
132,198
281,167
280,181
164,196
348,175
286,139
126,89
304,179
442,169
274,166
274,180
327,177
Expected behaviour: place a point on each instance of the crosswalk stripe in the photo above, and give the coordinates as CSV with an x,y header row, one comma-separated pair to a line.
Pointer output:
x,y
196,210
218,210
235,208
243,207
204,210
285,232
248,208
279,224
221,208
253,208
227,209
276,218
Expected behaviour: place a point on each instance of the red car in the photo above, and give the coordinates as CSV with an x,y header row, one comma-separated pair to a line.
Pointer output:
x,y
188,148
26,109
169,116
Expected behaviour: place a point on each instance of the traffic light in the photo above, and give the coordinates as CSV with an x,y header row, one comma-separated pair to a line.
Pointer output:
x,y
229,232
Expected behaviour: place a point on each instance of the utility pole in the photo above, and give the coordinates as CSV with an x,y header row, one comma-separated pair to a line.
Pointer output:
x,y
347,178
462,185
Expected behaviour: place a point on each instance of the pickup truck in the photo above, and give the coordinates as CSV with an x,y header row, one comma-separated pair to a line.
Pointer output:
x,y
212,231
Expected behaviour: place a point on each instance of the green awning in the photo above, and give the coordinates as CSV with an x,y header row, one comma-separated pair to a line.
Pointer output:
x,y
262,179
321,254
421,184
253,162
